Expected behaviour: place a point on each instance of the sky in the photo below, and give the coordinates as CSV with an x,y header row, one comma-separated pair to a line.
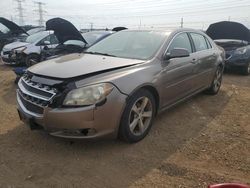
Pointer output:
x,y
141,14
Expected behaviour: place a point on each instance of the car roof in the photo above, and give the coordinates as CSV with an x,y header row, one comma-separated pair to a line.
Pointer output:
x,y
164,30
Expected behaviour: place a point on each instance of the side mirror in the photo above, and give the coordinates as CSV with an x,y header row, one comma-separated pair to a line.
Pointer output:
x,y
46,42
177,53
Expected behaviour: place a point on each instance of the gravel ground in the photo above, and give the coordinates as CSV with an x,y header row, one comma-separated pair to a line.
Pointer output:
x,y
203,141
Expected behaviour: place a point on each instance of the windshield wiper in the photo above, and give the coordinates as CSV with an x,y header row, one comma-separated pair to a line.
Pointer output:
x,y
99,53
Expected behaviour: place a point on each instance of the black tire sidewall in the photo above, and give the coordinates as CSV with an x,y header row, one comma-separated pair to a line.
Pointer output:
x,y
124,130
245,70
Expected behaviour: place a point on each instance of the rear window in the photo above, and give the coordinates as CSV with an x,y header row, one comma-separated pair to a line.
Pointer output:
x,y
199,42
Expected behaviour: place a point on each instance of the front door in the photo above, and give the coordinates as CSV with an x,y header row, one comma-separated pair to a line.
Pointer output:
x,y
178,73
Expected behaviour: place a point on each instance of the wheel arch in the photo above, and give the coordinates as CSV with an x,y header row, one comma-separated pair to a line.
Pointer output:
x,y
152,89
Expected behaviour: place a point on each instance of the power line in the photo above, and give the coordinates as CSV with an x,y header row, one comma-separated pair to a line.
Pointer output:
x,y
20,11
40,13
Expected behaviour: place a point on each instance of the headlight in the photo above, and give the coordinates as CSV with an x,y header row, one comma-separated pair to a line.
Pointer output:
x,y
20,49
88,95
240,51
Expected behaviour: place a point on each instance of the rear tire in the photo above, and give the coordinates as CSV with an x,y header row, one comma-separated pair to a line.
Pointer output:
x,y
246,70
137,117
216,83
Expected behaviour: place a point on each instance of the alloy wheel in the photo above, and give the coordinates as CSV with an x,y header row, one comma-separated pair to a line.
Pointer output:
x,y
140,116
217,79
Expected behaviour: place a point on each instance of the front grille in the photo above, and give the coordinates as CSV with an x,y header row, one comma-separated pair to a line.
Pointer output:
x,y
30,106
34,96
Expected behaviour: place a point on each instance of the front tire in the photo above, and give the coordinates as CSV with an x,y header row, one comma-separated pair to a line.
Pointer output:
x,y
216,83
246,70
137,117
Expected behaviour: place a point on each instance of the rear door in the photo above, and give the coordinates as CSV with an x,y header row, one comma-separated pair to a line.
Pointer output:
x,y
205,60
178,73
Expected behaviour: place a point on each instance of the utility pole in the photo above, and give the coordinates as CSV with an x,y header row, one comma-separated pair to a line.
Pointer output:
x,y
229,18
91,26
182,22
20,11
40,13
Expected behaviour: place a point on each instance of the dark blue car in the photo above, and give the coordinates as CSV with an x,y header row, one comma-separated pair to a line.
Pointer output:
x,y
235,39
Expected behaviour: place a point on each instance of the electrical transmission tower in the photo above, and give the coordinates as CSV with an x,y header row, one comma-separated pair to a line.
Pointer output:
x,y
182,22
20,11
40,13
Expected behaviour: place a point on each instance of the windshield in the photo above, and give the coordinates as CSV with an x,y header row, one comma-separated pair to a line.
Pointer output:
x,y
75,42
35,30
130,44
36,37
4,29
92,37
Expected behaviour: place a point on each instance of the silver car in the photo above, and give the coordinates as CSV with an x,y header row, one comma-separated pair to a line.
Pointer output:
x,y
118,85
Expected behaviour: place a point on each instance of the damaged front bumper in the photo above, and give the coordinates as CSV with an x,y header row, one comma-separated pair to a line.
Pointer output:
x,y
81,123
11,58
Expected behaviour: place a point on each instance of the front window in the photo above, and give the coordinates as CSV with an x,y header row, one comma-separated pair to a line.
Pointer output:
x,y
181,41
130,44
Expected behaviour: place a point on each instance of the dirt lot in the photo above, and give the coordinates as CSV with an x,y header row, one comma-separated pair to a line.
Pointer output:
x,y
203,141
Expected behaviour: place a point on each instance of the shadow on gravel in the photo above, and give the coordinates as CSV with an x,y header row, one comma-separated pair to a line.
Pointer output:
x,y
37,159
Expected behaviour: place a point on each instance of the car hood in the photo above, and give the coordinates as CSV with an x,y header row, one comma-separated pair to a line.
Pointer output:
x,y
14,28
64,30
228,30
74,65
14,45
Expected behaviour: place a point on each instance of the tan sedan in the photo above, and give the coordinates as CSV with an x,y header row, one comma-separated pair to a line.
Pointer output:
x,y
118,85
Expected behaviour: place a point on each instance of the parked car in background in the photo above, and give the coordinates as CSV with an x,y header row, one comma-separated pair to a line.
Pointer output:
x,y
235,39
72,41
93,37
76,46
117,86
28,51
10,32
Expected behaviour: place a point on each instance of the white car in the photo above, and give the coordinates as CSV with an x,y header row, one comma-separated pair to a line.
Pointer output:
x,y
28,51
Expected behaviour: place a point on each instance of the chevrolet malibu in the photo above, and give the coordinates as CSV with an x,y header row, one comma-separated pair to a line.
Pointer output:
x,y
116,88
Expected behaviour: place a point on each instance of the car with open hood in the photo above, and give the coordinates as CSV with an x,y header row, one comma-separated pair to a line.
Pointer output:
x,y
68,47
117,86
235,39
70,39
9,32
28,51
